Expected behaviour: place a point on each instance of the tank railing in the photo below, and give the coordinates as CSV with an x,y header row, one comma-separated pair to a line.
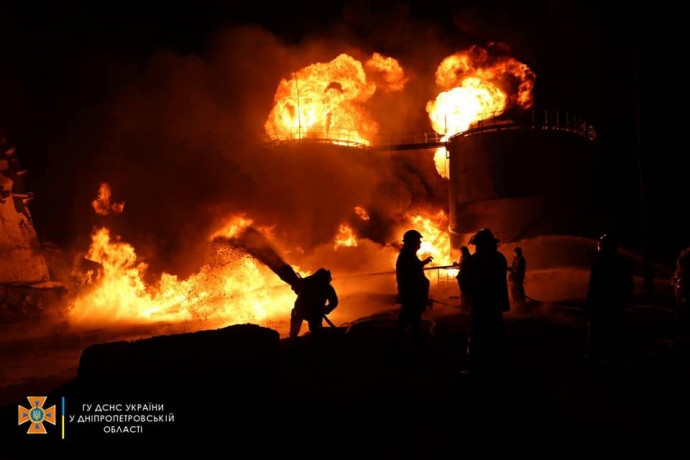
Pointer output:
x,y
535,119
320,134
553,120
409,137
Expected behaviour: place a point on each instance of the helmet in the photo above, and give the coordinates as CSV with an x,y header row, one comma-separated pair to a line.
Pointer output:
x,y
411,236
483,236
607,243
323,274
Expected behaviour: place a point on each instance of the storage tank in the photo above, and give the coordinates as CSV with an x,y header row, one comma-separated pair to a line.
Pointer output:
x,y
523,177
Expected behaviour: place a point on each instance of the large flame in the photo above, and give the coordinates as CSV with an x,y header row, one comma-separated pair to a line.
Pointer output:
x,y
345,237
476,85
435,237
327,100
394,78
234,288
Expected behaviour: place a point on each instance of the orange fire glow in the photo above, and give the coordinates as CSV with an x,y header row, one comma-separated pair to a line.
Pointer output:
x,y
476,86
102,204
435,237
345,237
326,101
234,288
233,226
393,74
361,213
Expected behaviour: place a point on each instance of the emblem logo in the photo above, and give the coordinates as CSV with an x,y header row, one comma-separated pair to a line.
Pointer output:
x,y
36,414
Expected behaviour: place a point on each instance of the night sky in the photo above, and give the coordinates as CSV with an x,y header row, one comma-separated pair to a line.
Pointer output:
x,y
64,68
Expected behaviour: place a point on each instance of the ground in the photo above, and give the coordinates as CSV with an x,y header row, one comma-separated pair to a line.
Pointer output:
x,y
347,393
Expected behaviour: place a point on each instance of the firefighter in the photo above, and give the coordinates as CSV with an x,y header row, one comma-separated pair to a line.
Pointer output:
x,y
681,285
316,297
483,280
465,256
413,288
516,277
609,294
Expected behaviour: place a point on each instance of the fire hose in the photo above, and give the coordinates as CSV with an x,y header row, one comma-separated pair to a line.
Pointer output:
x,y
330,323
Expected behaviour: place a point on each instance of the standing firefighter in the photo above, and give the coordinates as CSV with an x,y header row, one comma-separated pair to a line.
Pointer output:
x,y
516,277
609,293
413,287
681,285
316,297
482,280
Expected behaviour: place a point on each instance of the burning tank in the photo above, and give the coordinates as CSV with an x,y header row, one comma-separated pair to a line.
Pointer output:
x,y
321,130
520,171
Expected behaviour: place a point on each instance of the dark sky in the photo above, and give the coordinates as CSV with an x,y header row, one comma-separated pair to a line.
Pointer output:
x,y
63,68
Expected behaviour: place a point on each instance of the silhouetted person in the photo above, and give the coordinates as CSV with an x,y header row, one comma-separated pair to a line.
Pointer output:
x,y
516,277
609,293
482,280
413,288
464,258
681,285
316,297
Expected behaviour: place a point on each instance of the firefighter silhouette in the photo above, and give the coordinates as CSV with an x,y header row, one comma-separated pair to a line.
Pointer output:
x,y
316,297
413,288
516,277
609,293
681,285
483,280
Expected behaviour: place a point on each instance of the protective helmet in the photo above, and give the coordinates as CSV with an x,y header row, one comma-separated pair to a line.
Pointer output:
x,y
411,236
607,243
324,274
483,236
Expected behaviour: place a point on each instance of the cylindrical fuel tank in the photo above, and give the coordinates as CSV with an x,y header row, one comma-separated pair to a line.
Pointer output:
x,y
521,182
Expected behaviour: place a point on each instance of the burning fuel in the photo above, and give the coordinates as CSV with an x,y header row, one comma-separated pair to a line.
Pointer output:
x,y
328,100
476,85
102,204
345,237
236,281
232,287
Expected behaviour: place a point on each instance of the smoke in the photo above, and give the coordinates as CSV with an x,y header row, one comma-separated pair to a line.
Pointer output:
x,y
183,145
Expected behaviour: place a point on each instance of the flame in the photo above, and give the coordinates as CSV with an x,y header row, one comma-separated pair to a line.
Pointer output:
x,y
345,237
393,74
433,225
361,213
454,110
435,237
441,160
235,290
326,101
233,226
476,86
102,204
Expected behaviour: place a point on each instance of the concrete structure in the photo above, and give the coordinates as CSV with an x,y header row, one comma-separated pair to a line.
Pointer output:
x,y
21,256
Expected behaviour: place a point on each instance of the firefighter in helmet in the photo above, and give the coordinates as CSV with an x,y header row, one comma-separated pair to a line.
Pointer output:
x,y
316,297
483,280
413,287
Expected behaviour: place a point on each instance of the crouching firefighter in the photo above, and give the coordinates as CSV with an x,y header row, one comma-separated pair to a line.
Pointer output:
x,y
316,297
